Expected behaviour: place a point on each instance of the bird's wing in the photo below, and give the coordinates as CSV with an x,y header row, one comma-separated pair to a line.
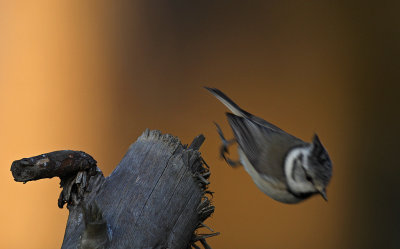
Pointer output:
x,y
262,122
235,109
265,147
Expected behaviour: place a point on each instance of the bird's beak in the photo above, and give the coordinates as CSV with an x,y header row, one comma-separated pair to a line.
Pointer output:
x,y
322,192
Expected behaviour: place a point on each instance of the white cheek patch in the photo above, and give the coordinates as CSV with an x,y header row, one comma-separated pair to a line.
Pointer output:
x,y
291,158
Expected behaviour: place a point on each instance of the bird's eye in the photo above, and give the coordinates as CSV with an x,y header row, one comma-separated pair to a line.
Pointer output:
x,y
308,178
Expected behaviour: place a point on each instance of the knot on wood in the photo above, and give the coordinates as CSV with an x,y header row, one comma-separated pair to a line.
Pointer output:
x,y
96,233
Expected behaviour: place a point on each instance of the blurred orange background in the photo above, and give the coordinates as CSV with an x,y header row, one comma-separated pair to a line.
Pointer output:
x,y
93,75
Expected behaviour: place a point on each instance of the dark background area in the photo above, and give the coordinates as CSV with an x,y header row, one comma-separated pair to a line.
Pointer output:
x,y
92,75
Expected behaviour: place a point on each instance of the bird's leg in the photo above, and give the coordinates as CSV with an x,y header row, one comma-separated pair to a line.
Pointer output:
x,y
224,150
224,147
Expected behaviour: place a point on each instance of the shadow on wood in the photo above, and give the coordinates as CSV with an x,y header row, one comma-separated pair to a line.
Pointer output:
x,y
156,197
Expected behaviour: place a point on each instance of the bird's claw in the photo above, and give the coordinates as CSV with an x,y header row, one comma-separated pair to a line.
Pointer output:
x,y
224,147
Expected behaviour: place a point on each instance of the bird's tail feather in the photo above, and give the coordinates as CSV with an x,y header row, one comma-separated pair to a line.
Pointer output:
x,y
232,106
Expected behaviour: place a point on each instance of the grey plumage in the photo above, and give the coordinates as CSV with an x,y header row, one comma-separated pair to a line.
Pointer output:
x,y
252,139
264,149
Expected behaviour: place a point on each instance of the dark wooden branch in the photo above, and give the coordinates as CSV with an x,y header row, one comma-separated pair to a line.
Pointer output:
x,y
58,163
74,168
155,198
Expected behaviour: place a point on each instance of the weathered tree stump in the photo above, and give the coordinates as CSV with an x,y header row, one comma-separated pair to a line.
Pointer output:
x,y
155,198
